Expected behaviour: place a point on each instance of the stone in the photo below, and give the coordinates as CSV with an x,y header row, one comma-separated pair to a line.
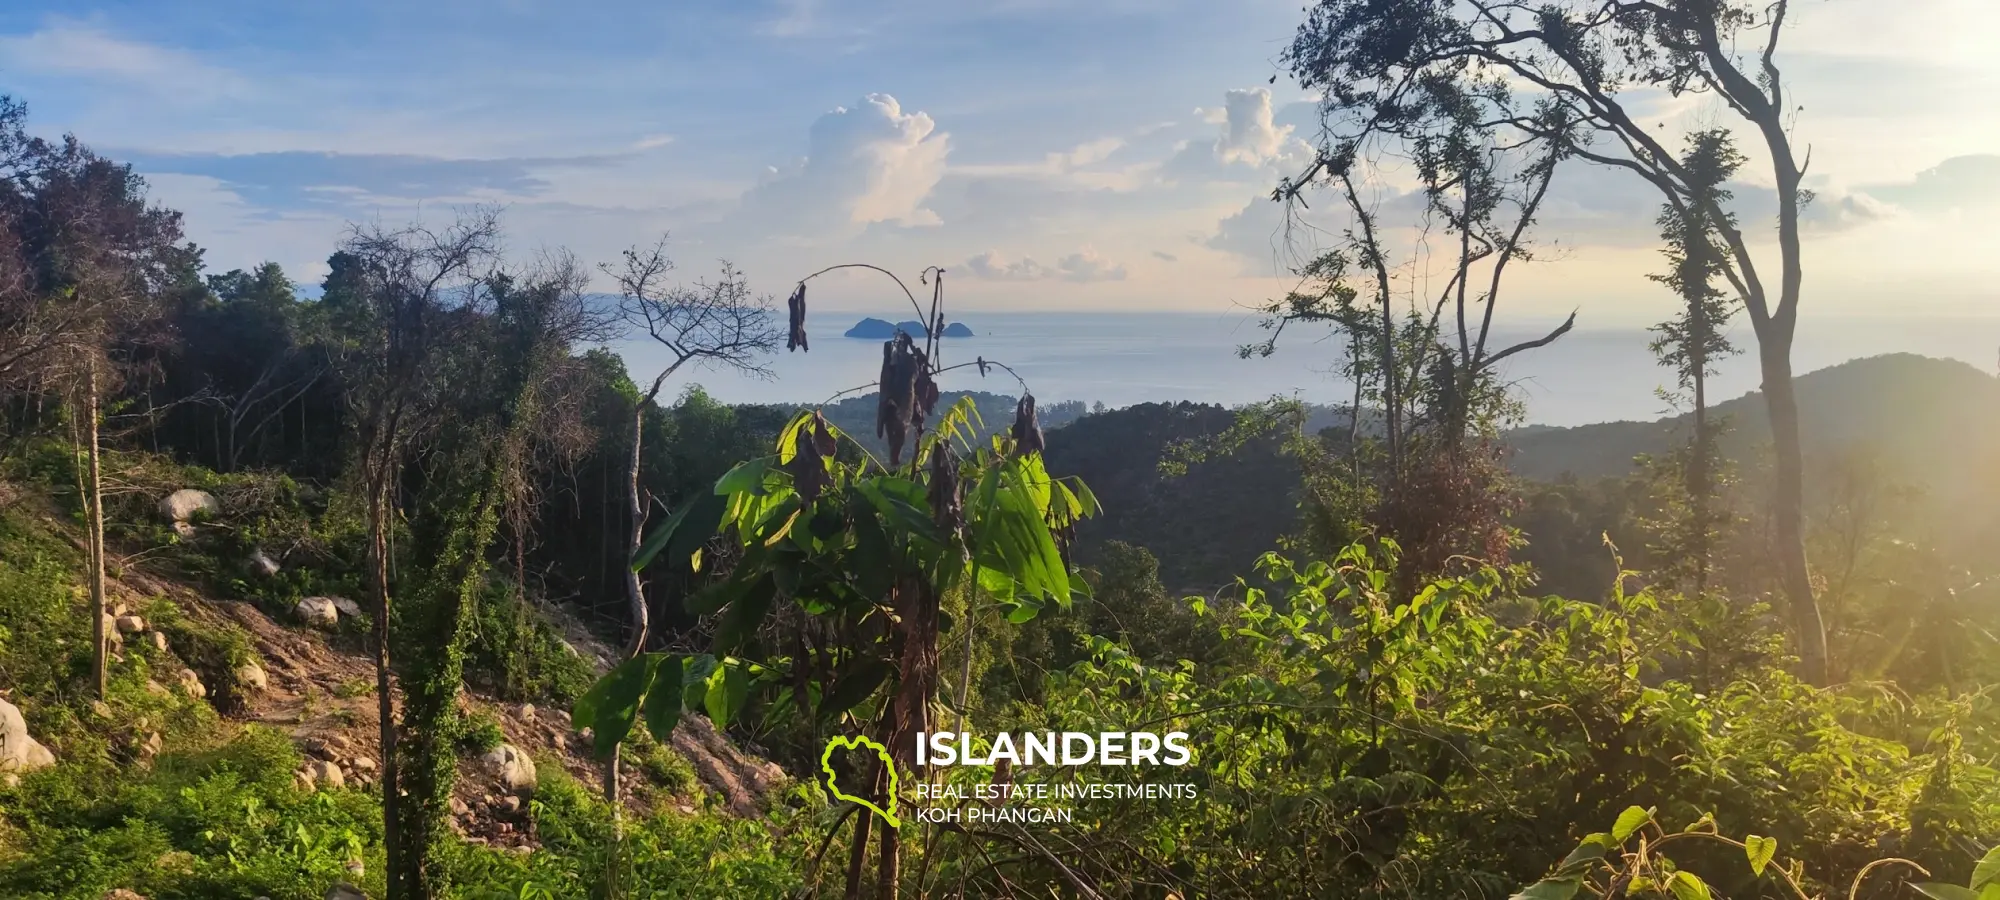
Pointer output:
x,y
111,632
526,712
158,639
345,891
514,768
20,752
190,684
346,607
326,775
100,709
319,612
183,505
250,676
362,764
123,894
262,564
303,778
458,807
157,689
131,624
150,747
510,803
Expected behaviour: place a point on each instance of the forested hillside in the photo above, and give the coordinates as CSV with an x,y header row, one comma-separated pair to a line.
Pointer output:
x,y
406,587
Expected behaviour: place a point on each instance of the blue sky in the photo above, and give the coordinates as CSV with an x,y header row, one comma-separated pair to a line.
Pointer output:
x,y
1101,155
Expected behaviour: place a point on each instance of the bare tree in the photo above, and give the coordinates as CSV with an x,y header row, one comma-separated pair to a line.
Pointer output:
x,y
408,295
1577,60
714,323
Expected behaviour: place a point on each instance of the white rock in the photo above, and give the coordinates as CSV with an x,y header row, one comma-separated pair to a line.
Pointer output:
x,y
191,684
111,633
510,803
150,747
514,768
458,807
158,639
263,564
250,676
347,607
526,712
363,764
184,504
21,753
131,624
320,612
326,774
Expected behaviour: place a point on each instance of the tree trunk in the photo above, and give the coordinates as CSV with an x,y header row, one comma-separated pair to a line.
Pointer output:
x,y
635,598
1774,352
378,551
889,868
98,667
857,849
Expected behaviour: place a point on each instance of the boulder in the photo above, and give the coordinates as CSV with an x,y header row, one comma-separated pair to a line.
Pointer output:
x,y
18,751
319,612
345,891
362,764
158,640
190,684
111,632
325,774
512,765
131,624
183,505
346,607
262,564
250,677
150,747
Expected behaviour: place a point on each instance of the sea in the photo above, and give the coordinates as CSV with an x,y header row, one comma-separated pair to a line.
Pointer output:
x,y
1120,359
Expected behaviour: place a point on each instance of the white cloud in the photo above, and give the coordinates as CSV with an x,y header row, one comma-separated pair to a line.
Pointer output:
x,y
77,50
1082,266
1251,138
1251,147
652,142
872,163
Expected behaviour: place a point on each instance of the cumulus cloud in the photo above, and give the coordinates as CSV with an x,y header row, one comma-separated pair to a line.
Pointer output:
x,y
1962,182
1252,144
873,163
1085,265
76,50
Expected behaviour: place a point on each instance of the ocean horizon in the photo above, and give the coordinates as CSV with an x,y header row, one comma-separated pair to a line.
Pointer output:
x,y
1120,359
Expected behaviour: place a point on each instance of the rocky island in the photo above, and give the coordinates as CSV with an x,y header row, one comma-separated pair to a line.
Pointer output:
x,y
878,329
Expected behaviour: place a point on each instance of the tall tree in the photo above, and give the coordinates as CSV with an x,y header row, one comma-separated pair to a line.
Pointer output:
x,y
1585,60
401,297
720,324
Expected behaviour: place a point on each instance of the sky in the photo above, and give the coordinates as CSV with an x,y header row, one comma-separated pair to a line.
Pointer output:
x,y
1102,156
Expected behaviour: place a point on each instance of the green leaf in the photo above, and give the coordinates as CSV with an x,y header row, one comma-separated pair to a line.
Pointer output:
x,y
746,478
746,612
1687,886
1945,891
728,691
1629,823
611,705
854,686
1987,871
1550,889
684,532
1587,853
695,672
1760,850
663,699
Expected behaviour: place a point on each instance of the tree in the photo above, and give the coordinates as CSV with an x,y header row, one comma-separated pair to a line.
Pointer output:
x,y
716,323
84,261
401,297
1581,60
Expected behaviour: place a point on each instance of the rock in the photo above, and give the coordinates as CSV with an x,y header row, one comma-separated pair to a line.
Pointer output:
x,y
263,564
362,764
190,683
21,753
326,775
10,780
183,505
458,807
111,632
345,891
250,676
355,868
123,894
510,803
319,612
514,768
130,624
156,689
119,609
303,778
100,709
347,607
150,747
158,639
526,712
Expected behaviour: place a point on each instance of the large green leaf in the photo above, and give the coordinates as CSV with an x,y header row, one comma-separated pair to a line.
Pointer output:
x,y
746,612
1987,871
1629,822
1587,854
684,533
728,691
854,686
1760,850
695,672
1686,885
747,477
663,699
612,704
1550,889
1937,891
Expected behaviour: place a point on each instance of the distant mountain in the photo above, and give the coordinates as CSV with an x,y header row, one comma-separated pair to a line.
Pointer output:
x,y
878,329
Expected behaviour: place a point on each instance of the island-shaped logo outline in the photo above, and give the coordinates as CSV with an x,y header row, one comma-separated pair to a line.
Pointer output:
x,y
854,743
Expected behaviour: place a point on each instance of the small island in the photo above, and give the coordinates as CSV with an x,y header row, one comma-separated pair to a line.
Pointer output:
x,y
878,329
